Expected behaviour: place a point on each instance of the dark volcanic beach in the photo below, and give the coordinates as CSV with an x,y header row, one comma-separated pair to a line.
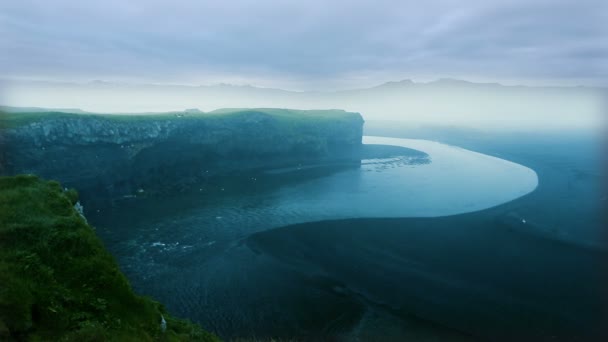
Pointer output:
x,y
476,273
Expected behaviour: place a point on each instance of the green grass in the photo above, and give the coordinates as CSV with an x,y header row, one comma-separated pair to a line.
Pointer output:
x,y
323,114
11,119
57,282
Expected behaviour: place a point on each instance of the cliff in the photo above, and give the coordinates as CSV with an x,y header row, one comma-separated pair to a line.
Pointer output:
x,y
115,155
57,282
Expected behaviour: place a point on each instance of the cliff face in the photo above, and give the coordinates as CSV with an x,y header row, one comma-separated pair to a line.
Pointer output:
x,y
118,154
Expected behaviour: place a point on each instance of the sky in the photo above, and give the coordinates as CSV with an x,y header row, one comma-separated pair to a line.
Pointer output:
x,y
305,45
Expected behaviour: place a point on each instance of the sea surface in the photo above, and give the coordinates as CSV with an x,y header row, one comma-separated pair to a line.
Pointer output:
x,y
456,245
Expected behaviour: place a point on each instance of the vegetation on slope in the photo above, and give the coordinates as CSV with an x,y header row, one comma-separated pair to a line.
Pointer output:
x,y
57,282
10,117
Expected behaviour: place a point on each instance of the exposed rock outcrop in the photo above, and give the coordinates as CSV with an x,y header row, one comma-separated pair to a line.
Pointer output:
x,y
115,155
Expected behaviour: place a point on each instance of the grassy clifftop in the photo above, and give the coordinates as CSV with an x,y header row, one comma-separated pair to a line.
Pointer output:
x,y
57,282
11,117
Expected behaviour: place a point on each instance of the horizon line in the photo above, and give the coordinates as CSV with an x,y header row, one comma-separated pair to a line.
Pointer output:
x,y
404,82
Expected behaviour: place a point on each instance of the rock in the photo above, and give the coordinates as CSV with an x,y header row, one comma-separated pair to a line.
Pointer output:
x,y
115,155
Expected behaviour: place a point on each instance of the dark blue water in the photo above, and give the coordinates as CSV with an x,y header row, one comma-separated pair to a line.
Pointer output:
x,y
508,264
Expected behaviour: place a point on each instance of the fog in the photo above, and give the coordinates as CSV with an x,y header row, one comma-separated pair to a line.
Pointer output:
x,y
443,102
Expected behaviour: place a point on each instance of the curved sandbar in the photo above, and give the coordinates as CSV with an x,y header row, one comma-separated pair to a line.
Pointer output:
x,y
456,181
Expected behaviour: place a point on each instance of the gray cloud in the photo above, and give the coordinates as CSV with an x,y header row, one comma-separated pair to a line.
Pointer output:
x,y
307,44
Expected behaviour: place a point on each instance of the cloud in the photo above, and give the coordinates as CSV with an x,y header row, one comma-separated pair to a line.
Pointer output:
x,y
312,43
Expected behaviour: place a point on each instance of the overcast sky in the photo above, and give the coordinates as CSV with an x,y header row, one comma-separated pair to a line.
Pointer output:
x,y
305,45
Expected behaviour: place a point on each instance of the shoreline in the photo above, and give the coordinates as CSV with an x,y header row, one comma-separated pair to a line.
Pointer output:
x,y
555,255
506,247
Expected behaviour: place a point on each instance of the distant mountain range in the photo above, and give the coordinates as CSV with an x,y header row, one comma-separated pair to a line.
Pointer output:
x,y
446,101
443,82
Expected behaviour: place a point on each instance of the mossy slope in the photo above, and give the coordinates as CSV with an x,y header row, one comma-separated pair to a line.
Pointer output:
x,y
57,282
